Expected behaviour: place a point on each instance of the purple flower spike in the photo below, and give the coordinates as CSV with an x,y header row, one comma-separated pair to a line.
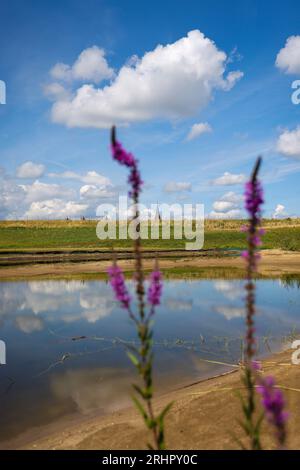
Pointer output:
x,y
256,365
253,203
120,155
155,288
274,404
127,159
117,281
253,198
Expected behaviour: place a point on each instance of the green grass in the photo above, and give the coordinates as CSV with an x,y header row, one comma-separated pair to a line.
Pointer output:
x,y
63,235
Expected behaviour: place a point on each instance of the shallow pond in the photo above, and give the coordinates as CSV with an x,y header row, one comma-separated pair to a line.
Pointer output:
x,y
66,342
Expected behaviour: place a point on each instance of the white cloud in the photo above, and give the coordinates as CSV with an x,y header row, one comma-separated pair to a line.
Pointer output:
x,y
40,200
289,143
223,206
231,290
227,206
279,212
91,65
91,177
232,78
232,214
176,303
198,129
29,323
173,187
288,58
30,170
229,179
230,312
231,196
55,209
41,191
170,82
90,191
12,197
96,306
56,91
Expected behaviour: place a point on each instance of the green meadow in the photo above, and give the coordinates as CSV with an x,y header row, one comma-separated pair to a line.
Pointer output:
x,y
81,235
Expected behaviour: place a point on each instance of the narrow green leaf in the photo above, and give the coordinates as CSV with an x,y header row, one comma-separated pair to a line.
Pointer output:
x,y
133,359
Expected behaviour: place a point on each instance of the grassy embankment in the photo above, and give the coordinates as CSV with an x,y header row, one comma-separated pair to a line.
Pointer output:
x,y
81,235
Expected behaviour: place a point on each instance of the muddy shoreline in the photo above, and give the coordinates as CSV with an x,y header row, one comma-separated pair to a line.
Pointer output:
x,y
273,263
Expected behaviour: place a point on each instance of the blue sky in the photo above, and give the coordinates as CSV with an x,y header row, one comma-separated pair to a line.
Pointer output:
x,y
230,78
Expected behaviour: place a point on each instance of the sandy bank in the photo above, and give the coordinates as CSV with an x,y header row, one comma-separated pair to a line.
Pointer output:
x,y
204,416
273,263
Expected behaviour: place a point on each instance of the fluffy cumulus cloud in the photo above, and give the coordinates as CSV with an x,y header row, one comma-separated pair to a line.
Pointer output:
x,y
35,305
78,196
229,179
223,206
279,212
91,177
55,209
288,58
96,185
170,82
233,197
289,143
198,129
231,214
38,191
56,91
227,207
91,65
90,191
29,323
233,290
30,170
11,197
177,187
230,312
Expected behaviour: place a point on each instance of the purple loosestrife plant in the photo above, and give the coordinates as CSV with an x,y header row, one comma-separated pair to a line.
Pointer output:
x,y
117,282
253,203
141,356
273,403
272,399
155,289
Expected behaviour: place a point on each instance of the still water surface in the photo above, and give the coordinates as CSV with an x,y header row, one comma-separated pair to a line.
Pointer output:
x,y
66,343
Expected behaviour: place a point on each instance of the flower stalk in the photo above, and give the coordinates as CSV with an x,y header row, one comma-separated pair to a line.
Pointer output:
x,y
253,202
272,401
142,356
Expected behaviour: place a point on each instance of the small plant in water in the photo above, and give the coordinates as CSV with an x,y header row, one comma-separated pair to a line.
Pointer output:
x,y
272,399
141,356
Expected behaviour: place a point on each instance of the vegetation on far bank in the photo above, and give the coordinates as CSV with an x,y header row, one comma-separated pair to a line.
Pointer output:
x,y
81,235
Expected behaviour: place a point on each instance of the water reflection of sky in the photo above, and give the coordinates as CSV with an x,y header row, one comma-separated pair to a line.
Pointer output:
x,y
52,373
